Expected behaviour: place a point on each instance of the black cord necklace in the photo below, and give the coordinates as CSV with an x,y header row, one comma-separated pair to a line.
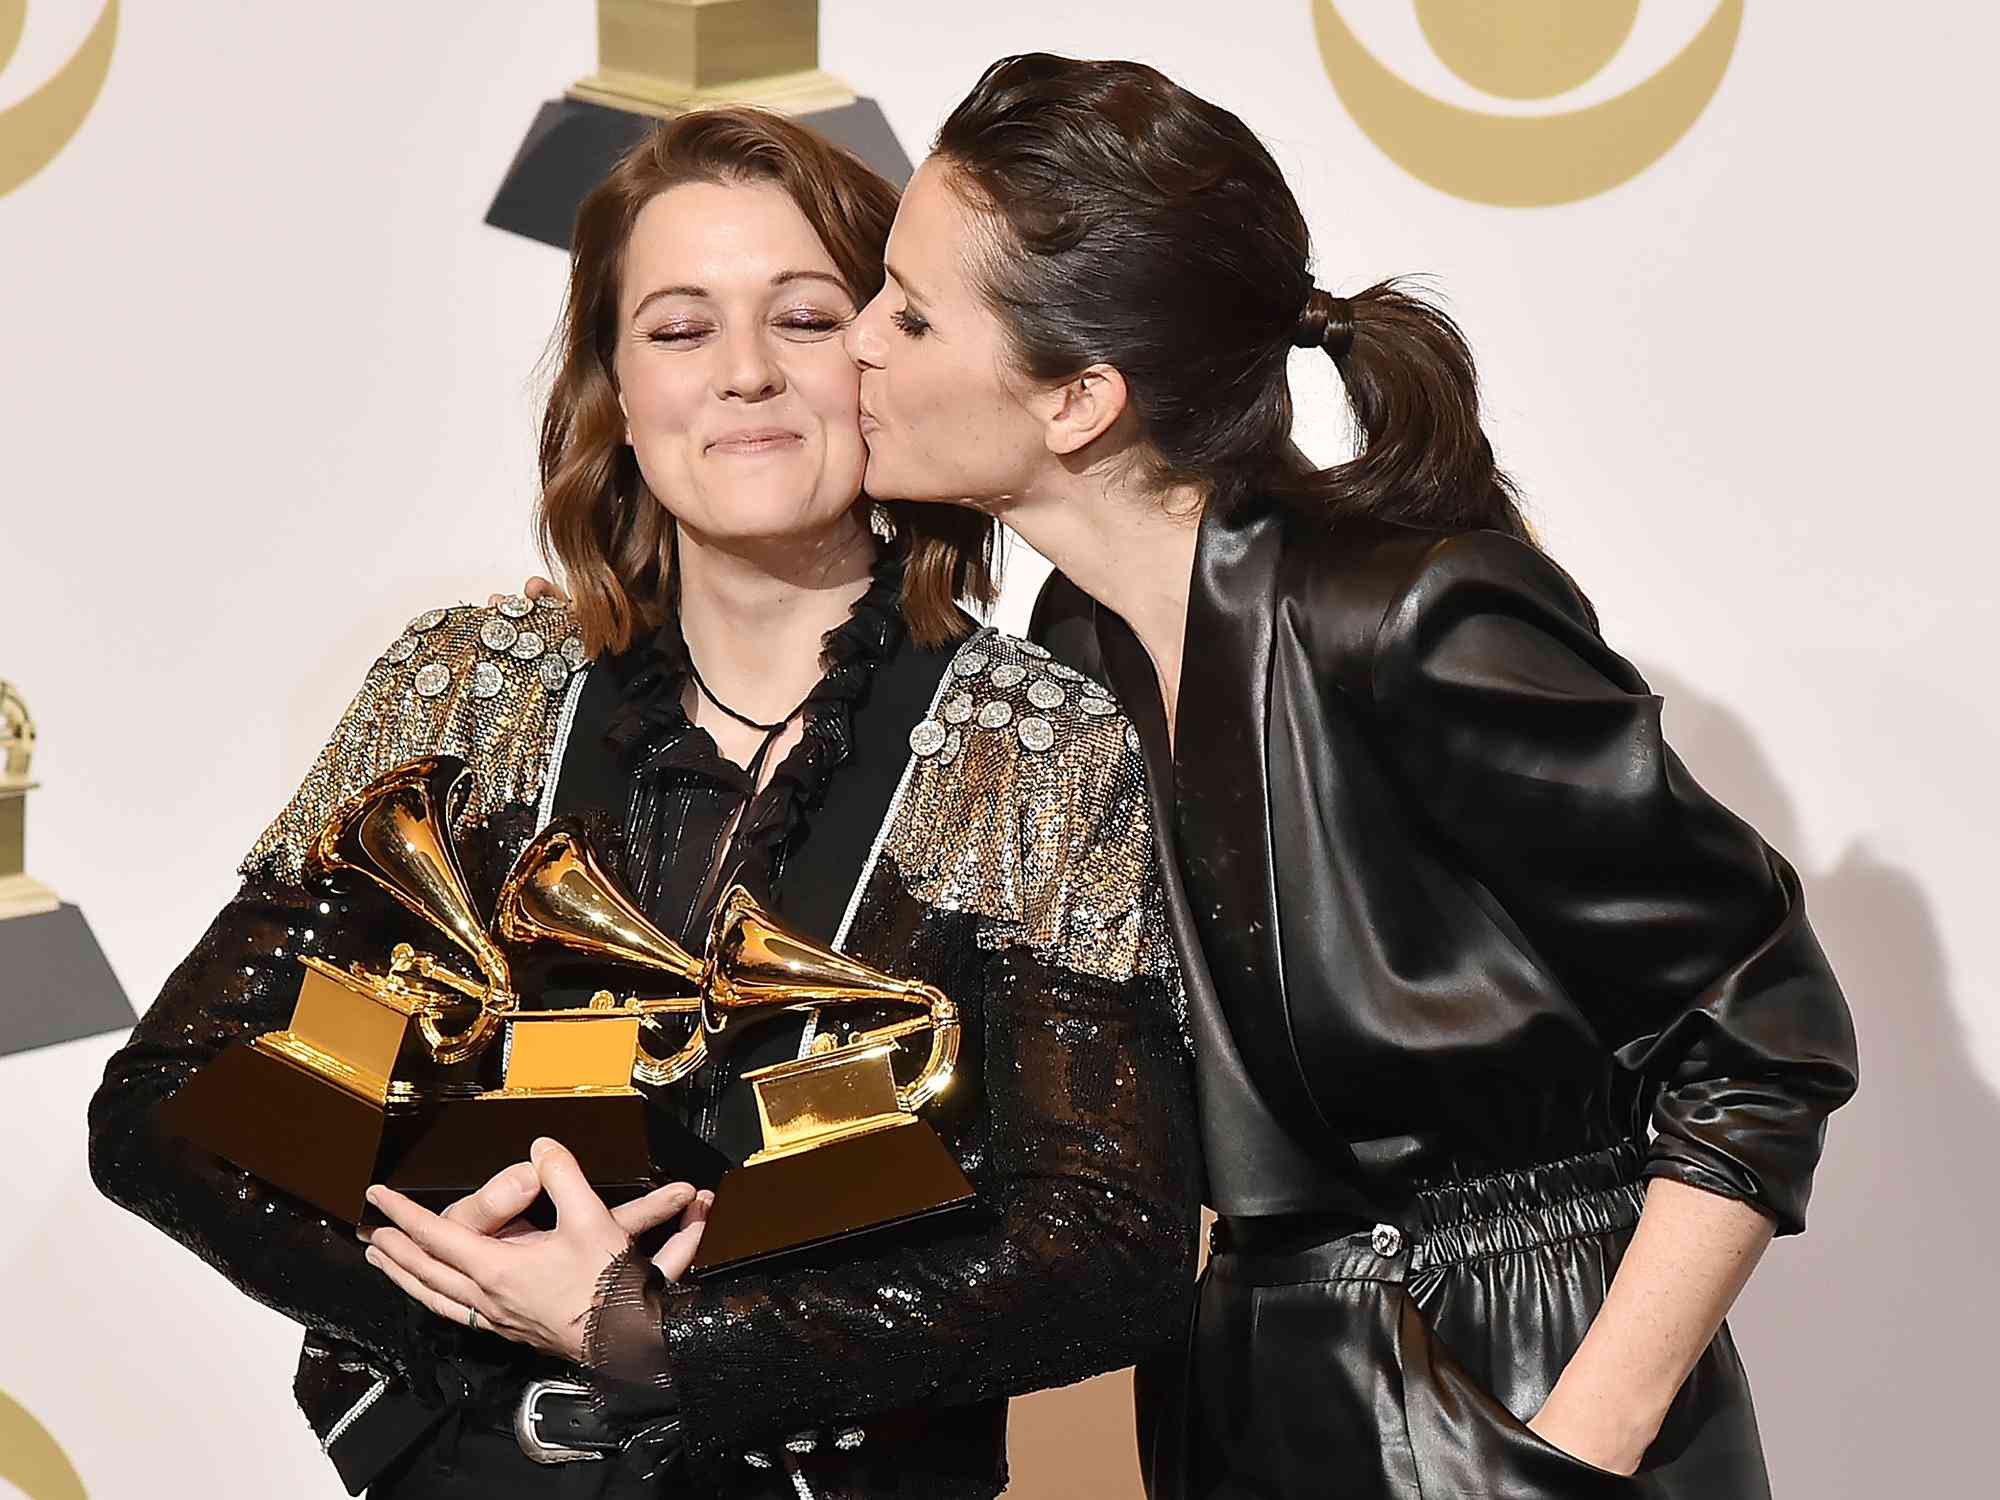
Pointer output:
x,y
741,718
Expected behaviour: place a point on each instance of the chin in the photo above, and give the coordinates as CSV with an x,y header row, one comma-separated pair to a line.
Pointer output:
x,y
881,483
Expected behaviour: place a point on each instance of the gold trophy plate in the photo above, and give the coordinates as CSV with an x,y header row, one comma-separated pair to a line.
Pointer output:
x,y
845,1153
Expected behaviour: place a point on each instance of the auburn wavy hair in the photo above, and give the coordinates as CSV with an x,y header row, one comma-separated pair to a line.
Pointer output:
x,y
596,518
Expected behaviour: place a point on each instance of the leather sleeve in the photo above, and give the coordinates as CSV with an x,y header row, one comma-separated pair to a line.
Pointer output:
x,y
1535,752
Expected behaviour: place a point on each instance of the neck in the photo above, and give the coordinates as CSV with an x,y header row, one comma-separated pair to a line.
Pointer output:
x,y
753,615
1130,549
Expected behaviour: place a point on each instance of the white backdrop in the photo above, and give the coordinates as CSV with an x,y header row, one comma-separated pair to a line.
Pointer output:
x,y
266,391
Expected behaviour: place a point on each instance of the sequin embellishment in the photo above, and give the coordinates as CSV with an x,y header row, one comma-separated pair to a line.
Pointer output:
x,y
400,650
514,607
958,708
430,619
1009,674
486,680
498,634
927,738
996,715
572,652
1046,694
432,680
1097,708
970,663
554,673
1036,732
529,646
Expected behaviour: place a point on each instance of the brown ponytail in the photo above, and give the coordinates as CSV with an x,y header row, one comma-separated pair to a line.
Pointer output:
x,y
1143,227
1424,458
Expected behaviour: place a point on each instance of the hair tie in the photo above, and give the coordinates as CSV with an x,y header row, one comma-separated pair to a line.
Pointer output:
x,y
1327,323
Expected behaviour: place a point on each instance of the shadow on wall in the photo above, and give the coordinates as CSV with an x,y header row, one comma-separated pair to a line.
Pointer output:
x,y
1869,1338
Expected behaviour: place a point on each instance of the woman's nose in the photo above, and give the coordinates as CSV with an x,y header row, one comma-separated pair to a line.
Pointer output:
x,y
748,369
862,340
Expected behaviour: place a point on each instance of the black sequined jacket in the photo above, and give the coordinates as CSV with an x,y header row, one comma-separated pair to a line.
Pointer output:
x,y
1016,870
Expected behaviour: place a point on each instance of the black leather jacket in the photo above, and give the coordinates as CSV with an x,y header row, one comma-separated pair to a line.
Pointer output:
x,y
1462,909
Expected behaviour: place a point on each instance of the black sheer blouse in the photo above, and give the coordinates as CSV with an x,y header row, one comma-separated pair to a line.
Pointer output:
x,y
693,822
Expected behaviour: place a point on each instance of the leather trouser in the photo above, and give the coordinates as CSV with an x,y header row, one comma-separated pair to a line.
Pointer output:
x,y
1402,1360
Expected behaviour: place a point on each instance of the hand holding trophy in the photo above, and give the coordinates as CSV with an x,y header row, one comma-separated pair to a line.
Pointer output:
x,y
394,1076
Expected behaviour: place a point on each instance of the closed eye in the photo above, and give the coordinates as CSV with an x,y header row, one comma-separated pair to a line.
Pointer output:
x,y
812,322
912,324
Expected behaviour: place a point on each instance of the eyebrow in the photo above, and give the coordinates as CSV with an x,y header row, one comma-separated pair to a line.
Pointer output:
x,y
783,278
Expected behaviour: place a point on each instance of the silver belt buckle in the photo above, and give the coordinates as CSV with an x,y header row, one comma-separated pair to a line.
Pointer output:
x,y
526,1416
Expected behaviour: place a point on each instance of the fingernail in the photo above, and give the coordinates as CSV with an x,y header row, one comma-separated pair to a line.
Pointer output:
x,y
705,1198
374,1196
372,1256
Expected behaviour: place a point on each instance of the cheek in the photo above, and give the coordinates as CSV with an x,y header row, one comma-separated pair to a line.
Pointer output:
x,y
659,402
833,391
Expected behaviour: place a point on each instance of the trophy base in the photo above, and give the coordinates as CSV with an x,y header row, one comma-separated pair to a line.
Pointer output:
x,y
57,983
294,1129
791,1205
573,143
625,1147
325,1145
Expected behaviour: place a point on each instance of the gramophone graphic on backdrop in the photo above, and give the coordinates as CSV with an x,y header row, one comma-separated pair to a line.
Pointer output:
x,y
437,1070
55,985
658,58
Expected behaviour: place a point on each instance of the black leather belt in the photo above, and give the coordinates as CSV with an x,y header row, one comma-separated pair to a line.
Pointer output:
x,y
555,1423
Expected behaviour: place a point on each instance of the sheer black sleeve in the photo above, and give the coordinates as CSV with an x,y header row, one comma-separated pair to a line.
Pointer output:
x,y
1085,1164
427,692
240,981
1536,752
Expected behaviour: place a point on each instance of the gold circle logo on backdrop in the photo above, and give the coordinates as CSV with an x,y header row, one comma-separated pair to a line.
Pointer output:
x,y
34,130
1526,49
31,1460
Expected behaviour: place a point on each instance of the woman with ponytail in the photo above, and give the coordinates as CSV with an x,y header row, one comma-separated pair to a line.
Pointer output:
x,y
1514,1046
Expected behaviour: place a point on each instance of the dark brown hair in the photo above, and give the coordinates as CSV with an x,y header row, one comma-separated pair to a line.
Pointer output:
x,y
1140,226
596,516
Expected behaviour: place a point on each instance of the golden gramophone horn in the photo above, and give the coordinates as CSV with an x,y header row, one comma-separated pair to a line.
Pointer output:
x,y
758,967
844,1150
559,894
396,832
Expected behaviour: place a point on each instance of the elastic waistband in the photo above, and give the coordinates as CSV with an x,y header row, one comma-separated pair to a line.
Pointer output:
x,y
1594,1192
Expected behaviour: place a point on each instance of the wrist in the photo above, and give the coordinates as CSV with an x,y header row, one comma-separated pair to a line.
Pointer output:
x,y
1609,1428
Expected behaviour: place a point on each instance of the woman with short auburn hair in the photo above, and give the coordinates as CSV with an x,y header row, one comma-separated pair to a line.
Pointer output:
x,y
766,679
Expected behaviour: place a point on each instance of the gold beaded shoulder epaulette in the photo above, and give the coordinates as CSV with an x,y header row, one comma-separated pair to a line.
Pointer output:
x,y
484,684
1026,804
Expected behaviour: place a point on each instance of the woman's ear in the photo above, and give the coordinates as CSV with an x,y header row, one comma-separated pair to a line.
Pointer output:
x,y
1082,409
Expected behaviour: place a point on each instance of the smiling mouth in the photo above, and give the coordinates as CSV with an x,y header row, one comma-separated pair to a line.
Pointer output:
x,y
766,441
